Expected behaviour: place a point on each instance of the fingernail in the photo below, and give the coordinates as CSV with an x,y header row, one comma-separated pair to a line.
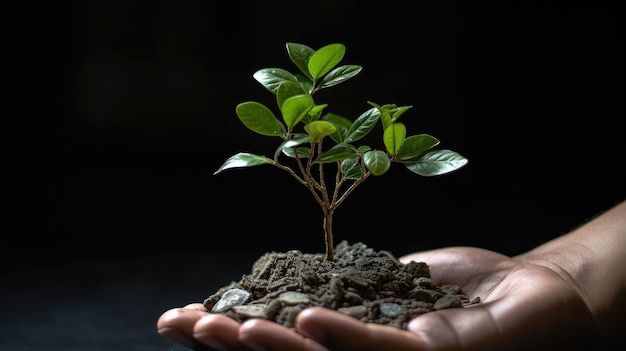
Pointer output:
x,y
210,341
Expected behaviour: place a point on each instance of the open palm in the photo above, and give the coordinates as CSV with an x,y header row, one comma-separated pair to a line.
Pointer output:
x,y
521,302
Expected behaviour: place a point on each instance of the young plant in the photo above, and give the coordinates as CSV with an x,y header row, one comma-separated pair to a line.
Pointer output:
x,y
305,127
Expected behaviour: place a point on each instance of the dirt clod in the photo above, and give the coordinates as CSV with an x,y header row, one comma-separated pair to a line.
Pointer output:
x,y
372,286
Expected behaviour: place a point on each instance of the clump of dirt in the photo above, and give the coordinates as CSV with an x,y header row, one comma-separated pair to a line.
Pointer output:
x,y
372,286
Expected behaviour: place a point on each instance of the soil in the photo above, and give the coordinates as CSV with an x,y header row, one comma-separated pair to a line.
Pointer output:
x,y
372,286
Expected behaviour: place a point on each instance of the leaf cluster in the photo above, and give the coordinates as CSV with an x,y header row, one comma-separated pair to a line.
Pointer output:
x,y
317,70
304,125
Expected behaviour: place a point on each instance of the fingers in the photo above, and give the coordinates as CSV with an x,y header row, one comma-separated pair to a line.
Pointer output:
x,y
337,331
196,306
261,334
192,326
178,324
469,328
219,333
455,329
223,333
453,264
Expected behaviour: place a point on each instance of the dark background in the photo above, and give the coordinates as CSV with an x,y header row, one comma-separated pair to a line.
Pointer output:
x,y
139,113
131,108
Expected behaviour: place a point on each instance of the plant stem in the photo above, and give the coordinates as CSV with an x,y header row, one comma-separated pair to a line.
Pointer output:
x,y
320,191
328,231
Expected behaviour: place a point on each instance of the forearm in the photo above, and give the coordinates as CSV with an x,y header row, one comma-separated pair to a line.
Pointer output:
x,y
593,258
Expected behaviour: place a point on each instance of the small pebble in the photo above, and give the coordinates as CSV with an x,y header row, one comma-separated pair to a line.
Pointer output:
x,y
392,310
233,297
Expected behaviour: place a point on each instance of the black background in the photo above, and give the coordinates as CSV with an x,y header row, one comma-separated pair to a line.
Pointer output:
x,y
124,110
132,110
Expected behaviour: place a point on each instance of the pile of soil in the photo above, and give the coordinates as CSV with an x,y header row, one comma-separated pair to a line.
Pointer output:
x,y
371,286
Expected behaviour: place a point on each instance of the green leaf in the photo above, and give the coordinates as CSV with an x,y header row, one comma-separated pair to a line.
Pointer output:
x,y
302,152
436,162
385,115
271,78
244,159
317,109
295,108
399,111
377,162
390,113
351,168
362,125
393,137
314,113
337,153
305,82
415,145
317,130
258,118
290,144
339,75
325,59
341,123
300,55
286,90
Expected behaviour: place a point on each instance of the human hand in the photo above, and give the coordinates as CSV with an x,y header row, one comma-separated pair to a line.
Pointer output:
x,y
523,305
194,327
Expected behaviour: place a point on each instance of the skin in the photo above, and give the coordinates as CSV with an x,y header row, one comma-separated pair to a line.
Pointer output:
x,y
567,294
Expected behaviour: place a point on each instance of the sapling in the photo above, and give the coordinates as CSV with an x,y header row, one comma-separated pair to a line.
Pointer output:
x,y
306,129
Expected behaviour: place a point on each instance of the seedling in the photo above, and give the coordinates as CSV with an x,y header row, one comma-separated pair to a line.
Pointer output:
x,y
305,127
